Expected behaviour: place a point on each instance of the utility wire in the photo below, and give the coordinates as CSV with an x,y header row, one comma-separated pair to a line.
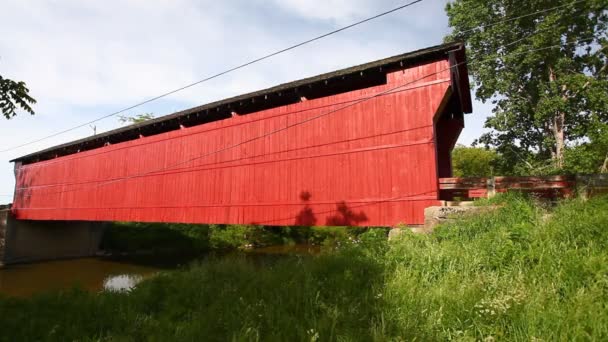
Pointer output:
x,y
260,136
297,123
269,56
518,17
79,156
219,74
310,119
533,33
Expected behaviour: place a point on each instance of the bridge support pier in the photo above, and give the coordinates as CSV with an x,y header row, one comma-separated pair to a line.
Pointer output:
x,y
24,241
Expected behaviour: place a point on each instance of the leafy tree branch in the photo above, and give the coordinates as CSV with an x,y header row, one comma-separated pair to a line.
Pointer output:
x,y
14,95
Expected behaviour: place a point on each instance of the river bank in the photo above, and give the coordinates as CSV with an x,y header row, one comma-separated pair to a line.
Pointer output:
x,y
132,252
124,238
510,274
122,272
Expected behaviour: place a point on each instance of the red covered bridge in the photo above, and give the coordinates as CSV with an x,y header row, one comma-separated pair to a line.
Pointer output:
x,y
360,146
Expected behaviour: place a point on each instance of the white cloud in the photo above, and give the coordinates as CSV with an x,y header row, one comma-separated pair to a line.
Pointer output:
x,y
84,59
418,17
336,10
87,53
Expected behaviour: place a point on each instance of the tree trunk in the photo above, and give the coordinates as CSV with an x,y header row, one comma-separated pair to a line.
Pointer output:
x,y
557,128
558,134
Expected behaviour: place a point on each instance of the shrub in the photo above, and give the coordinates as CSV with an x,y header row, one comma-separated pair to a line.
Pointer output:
x,y
133,237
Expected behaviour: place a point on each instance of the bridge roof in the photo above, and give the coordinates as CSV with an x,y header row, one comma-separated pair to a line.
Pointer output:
x,y
327,84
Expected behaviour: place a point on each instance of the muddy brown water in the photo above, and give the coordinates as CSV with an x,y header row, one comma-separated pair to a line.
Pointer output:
x,y
114,274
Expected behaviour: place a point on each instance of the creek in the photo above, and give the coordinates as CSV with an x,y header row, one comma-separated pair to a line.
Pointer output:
x,y
120,273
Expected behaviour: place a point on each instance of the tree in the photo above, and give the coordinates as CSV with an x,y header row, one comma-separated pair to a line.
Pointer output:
x,y
589,156
135,119
545,98
473,161
12,95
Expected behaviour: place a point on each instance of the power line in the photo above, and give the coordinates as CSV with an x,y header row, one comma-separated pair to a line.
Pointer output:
x,y
219,74
535,32
78,156
269,56
298,123
222,164
263,135
294,124
518,17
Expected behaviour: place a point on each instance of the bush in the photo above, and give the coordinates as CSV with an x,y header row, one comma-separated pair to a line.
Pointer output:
x,y
474,161
226,237
133,237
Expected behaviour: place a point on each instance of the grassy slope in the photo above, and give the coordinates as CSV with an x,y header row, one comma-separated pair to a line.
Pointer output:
x,y
506,274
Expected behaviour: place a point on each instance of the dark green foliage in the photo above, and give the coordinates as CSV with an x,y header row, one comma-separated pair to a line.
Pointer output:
x,y
12,95
589,156
475,162
519,272
133,237
230,236
545,99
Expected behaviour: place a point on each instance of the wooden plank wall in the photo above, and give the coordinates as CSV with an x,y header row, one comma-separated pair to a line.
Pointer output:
x,y
371,164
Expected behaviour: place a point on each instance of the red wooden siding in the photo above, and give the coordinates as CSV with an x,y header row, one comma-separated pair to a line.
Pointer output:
x,y
371,164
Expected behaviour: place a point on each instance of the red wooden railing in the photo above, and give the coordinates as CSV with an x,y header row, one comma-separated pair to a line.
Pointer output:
x,y
481,187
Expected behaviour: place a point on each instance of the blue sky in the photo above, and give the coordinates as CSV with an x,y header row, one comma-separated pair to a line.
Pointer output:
x,y
85,59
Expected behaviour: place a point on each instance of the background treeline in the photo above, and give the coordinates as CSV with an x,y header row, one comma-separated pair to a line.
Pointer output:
x,y
585,157
543,65
141,237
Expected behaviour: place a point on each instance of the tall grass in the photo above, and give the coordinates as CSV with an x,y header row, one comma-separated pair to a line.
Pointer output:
x,y
509,274
516,273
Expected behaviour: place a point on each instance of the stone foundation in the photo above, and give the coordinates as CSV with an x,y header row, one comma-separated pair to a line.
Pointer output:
x,y
3,224
439,214
434,216
27,241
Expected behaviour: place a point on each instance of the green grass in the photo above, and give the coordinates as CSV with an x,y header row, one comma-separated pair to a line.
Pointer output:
x,y
509,274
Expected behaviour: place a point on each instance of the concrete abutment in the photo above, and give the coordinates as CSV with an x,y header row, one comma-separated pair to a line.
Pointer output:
x,y
435,215
23,241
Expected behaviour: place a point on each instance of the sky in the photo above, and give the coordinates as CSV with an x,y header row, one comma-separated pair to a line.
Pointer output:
x,y
84,59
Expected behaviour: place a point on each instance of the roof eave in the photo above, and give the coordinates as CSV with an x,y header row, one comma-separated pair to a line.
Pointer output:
x,y
427,54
